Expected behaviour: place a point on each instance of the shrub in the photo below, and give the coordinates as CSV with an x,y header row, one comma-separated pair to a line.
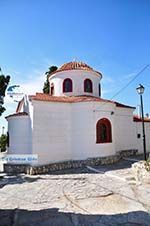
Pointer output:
x,y
147,164
3,142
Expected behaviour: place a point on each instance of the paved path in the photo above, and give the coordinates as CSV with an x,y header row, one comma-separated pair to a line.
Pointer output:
x,y
75,198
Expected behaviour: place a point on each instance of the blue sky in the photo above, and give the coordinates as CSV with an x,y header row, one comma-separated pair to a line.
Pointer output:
x,y
112,36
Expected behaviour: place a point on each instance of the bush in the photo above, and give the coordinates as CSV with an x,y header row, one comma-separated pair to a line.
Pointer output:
x,y
3,142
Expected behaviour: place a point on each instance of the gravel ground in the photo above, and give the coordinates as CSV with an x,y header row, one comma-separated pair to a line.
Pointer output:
x,y
83,197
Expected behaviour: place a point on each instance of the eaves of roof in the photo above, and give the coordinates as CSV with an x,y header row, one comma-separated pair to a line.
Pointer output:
x,y
17,114
74,99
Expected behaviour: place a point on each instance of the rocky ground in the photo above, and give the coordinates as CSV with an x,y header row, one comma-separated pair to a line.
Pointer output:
x,y
101,196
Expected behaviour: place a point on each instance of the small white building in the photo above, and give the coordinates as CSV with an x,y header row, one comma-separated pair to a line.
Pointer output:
x,y
73,122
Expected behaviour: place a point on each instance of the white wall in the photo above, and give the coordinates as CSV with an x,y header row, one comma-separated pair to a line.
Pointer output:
x,y
139,141
84,120
67,131
20,135
51,131
124,129
78,77
64,131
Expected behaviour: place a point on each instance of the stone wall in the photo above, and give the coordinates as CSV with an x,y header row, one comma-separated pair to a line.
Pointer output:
x,y
127,153
15,168
33,170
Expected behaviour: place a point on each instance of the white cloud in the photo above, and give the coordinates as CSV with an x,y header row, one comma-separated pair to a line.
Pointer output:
x,y
33,85
10,108
107,91
129,76
107,79
111,86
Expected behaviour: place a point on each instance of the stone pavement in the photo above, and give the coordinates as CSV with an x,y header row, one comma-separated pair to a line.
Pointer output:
x,y
75,198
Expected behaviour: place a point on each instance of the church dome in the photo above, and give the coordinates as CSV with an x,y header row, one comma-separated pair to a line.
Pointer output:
x,y
74,65
75,79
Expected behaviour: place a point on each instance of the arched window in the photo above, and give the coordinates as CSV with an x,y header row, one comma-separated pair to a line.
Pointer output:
x,y
99,89
52,89
103,131
67,85
88,86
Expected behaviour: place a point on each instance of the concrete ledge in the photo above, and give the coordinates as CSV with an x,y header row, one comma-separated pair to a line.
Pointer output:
x,y
73,164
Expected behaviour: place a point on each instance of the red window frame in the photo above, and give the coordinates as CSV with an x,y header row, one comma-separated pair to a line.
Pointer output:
x,y
102,124
65,87
85,86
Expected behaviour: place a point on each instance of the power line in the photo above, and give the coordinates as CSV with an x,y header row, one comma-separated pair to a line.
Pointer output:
x,y
123,88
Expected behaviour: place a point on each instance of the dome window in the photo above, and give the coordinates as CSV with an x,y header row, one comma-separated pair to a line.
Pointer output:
x,y
88,86
67,85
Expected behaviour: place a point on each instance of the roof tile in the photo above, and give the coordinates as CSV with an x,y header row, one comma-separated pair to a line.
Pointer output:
x,y
16,114
73,65
137,118
73,99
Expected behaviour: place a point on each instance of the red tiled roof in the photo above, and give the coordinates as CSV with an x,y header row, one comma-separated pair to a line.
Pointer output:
x,y
73,99
122,105
136,118
75,66
20,103
16,114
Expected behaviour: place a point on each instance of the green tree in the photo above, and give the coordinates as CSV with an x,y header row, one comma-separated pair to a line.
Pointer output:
x,y
4,80
46,84
3,142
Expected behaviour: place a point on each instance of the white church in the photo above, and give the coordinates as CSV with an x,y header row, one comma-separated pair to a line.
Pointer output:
x,y
73,122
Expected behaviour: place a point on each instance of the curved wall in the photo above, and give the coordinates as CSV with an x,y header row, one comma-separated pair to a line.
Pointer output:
x,y
77,77
20,136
